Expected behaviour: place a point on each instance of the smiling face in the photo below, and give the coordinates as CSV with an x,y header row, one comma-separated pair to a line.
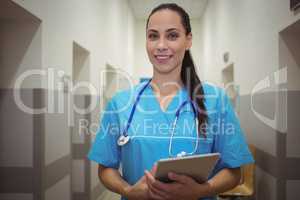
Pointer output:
x,y
167,41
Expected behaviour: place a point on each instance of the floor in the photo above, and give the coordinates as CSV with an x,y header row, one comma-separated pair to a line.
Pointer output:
x,y
107,195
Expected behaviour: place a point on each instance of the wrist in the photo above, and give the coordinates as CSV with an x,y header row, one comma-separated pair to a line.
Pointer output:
x,y
126,191
204,190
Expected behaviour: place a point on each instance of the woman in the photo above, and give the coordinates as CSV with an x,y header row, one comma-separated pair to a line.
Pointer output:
x,y
136,131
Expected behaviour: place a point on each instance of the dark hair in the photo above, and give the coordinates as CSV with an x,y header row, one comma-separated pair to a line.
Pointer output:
x,y
188,74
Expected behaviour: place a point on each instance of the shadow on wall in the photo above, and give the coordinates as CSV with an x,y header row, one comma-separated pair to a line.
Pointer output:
x,y
291,37
20,47
278,150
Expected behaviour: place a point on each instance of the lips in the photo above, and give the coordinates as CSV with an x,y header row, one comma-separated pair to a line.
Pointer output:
x,y
162,58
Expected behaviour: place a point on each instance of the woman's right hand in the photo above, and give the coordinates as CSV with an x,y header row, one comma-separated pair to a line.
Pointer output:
x,y
138,191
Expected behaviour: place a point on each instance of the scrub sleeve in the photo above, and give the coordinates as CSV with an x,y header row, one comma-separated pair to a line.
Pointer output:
x,y
105,149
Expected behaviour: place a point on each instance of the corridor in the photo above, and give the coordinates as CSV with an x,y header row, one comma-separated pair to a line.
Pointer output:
x,y
61,61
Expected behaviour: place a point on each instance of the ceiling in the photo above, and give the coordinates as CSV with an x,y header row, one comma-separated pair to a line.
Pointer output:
x,y
142,8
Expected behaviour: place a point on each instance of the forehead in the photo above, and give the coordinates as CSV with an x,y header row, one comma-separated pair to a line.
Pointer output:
x,y
165,19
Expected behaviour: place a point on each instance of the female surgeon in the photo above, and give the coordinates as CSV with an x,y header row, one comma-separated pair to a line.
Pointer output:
x,y
171,114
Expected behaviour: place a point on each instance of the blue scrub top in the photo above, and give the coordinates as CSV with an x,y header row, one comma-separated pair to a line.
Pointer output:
x,y
150,132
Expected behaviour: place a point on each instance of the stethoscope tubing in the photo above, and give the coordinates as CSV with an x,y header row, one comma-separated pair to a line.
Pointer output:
x,y
124,138
125,131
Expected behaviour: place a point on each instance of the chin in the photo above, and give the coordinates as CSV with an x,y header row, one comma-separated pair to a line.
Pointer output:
x,y
164,69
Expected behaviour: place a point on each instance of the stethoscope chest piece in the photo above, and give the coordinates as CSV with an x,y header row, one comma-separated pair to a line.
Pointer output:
x,y
181,154
123,140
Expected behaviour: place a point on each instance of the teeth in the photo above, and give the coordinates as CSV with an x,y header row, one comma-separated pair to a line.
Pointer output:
x,y
162,57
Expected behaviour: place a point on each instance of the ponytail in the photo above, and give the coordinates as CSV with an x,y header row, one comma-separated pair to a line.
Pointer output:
x,y
194,87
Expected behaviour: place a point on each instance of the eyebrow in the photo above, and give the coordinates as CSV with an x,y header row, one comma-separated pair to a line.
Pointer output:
x,y
169,30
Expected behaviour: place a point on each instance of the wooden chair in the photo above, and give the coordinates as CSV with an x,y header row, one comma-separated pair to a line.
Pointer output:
x,y
246,187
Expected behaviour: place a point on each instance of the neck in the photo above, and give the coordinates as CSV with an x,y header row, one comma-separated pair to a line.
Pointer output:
x,y
168,83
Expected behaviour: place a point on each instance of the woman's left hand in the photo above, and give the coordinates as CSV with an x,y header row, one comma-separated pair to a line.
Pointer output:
x,y
182,188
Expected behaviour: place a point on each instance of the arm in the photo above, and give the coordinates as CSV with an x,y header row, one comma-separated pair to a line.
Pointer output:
x,y
112,180
223,181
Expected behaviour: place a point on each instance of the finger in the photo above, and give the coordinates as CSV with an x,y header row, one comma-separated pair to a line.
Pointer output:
x,y
159,193
162,186
154,196
154,169
158,185
155,185
151,181
178,178
149,176
152,190
142,179
168,191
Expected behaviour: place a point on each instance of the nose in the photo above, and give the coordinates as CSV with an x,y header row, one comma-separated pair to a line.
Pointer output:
x,y
161,45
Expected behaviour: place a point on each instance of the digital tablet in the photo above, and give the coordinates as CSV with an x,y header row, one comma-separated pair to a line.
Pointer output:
x,y
198,167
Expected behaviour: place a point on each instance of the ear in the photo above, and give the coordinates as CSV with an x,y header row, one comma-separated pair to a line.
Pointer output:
x,y
189,38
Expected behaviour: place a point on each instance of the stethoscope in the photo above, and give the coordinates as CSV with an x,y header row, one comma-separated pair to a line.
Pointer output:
x,y
124,138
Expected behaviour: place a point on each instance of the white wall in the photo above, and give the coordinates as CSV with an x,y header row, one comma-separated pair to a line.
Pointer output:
x,y
289,54
106,35
249,30
16,131
104,28
59,190
20,36
142,65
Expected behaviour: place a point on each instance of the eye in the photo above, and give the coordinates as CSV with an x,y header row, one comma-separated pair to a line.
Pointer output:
x,y
172,36
152,36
